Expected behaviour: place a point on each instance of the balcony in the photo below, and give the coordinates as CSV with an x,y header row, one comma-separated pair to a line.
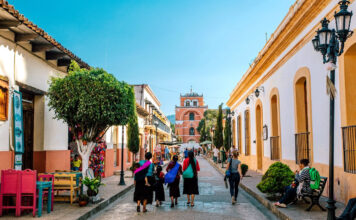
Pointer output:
x,y
349,147
302,146
275,149
152,118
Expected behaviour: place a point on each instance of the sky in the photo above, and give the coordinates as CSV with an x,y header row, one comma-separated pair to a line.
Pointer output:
x,y
171,45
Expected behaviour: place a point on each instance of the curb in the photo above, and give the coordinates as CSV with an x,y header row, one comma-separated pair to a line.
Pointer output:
x,y
105,203
259,198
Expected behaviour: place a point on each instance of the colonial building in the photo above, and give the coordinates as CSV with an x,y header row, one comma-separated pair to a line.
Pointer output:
x,y
153,126
281,105
188,116
29,57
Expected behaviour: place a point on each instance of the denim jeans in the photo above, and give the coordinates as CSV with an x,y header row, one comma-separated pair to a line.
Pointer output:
x,y
350,210
234,181
289,195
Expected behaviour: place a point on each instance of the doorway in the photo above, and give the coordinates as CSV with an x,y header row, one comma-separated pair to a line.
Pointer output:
x,y
259,138
28,122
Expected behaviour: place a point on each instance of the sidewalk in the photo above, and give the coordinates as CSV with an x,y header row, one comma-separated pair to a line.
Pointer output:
x,y
110,192
293,211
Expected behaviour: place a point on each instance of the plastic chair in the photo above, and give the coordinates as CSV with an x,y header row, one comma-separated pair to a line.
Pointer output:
x,y
48,178
10,187
28,189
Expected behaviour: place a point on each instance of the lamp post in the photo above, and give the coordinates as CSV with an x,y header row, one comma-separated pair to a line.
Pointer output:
x,y
122,174
330,43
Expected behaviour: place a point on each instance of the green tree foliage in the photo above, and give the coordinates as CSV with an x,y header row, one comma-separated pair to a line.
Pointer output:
x,y
244,169
218,135
227,132
133,139
276,178
202,130
90,101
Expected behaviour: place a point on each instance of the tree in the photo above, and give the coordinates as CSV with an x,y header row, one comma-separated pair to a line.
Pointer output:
x,y
227,132
218,135
133,139
90,101
202,130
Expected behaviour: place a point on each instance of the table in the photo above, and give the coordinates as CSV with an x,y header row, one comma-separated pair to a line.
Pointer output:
x,y
40,185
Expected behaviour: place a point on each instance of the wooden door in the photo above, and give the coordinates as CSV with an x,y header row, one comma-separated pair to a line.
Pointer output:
x,y
28,120
259,136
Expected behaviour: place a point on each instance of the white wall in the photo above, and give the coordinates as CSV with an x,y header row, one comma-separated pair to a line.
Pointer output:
x,y
283,80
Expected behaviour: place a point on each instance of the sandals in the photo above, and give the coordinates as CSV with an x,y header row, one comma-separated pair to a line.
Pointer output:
x,y
188,203
172,205
192,205
145,210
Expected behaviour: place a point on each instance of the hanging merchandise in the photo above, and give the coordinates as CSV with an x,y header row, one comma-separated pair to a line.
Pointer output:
x,y
97,159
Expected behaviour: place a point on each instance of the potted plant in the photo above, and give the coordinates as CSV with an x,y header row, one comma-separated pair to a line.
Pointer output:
x,y
93,186
244,169
83,200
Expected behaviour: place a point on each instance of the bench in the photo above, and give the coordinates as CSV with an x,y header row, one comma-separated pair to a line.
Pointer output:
x,y
315,195
65,182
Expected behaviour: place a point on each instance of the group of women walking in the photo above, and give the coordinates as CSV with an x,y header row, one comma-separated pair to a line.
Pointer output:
x,y
149,180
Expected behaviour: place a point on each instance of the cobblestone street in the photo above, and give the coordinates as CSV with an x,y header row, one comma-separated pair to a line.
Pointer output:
x,y
212,203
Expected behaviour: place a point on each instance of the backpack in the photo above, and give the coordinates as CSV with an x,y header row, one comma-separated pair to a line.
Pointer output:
x,y
314,178
171,175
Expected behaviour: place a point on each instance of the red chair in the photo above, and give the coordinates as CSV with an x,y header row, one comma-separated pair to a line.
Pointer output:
x,y
10,186
28,190
49,178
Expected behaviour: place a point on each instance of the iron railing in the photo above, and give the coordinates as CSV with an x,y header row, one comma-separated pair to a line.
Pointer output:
x,y
275,151
302,146
349,147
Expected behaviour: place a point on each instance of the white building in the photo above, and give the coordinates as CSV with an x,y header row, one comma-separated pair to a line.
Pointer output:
x,y
289,120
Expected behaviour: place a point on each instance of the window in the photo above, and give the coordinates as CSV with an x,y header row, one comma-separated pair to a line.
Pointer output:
x,y
191,116
191,131
239,134
187,102
4,98
195,103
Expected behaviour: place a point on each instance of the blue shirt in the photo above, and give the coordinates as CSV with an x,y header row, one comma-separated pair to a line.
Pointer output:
x,y
150,168
186,153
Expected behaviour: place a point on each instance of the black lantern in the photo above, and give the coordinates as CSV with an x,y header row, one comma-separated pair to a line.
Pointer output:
x,y
324,35
247,100
257,93
315,42
343,21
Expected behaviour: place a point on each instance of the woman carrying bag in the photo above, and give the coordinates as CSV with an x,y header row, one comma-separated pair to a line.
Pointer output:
x,y
190,175
233,171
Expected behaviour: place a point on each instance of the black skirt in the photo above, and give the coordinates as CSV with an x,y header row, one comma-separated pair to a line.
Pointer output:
x,y
174,189
190,186
159,191
143,192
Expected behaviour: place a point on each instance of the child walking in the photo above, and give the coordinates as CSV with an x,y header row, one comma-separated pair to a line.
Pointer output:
x,y
159,186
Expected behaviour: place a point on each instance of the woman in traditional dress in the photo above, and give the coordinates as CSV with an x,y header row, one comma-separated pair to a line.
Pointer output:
x,y
174,192
190,175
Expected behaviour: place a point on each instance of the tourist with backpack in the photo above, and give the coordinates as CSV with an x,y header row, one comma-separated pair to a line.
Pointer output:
x,y
172,177
300,185
190,175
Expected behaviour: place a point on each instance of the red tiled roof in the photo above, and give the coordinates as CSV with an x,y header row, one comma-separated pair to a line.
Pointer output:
x,y
10,9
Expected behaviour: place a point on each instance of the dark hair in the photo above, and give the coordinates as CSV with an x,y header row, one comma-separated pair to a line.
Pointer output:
x,y
76,155
148,155
192,162
175,158
305,162
159,169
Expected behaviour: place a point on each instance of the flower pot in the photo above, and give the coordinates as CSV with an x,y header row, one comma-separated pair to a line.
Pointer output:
x,y
83,203
91,193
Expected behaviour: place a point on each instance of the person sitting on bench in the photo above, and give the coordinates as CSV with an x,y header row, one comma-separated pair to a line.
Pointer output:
x,y
301,182
350,211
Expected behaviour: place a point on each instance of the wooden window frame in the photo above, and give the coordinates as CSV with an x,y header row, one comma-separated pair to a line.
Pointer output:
x,y
4,87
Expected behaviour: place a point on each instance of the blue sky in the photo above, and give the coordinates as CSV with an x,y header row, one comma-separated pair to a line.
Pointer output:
x,y
169,44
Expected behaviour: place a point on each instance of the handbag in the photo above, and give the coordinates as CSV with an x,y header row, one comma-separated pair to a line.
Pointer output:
x,y
171,175
228,172
188,173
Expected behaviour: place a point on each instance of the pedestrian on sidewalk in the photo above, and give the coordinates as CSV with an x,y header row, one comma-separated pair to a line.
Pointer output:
x,y
159,190
174,192
215,154
144,182
190,175
234,168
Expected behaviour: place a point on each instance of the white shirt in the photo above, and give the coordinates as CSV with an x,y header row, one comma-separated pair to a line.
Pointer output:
x,y
216,152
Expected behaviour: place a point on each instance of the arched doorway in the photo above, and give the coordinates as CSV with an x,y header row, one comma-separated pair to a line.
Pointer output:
x,y
275,139
259,136
247,133
348,107
303,125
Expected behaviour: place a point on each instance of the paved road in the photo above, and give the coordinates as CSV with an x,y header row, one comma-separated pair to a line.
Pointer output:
x,y
213,203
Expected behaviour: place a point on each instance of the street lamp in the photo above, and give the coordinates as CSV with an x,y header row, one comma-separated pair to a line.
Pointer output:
x,y
328,43
122,174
